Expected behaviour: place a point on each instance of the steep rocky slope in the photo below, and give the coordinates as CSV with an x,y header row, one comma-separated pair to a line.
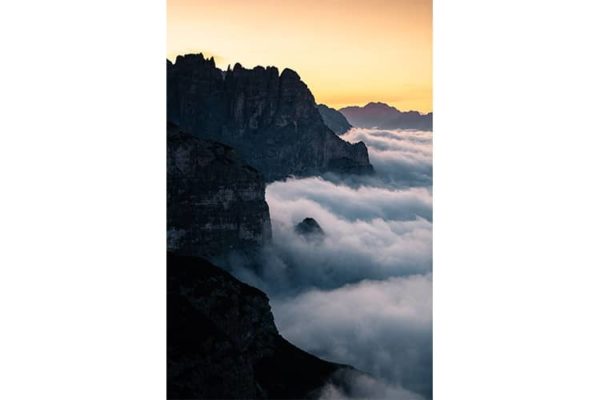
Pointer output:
x,y
222,341
215,202
383,116
334,119
271,119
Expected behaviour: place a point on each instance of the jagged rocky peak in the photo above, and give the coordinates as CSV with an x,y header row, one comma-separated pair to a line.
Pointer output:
x,y
271,119
215,201
309,227
222,341
334,119
195,59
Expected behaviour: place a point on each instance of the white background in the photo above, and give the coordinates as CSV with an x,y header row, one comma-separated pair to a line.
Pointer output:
x,y
82,212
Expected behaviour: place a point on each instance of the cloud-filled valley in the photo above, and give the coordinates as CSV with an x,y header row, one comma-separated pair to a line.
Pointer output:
x,y
381,327
361,241
361,294
401,158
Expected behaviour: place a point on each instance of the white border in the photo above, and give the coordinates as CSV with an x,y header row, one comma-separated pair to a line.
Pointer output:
x,y
516,205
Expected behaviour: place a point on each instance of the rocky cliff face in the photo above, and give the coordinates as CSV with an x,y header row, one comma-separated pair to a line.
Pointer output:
x,y
334,119
222,341
271,119
383,116
215,202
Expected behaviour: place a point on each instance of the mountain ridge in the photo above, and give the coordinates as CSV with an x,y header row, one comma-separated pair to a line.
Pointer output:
x,y
383,116
334,119
271,119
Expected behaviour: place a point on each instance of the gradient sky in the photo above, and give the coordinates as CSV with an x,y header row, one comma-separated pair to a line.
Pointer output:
x,y
349,52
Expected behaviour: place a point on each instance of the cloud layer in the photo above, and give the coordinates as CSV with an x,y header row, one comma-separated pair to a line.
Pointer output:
x,y
352,203
362,294
382,327
349,384
370,233
401,158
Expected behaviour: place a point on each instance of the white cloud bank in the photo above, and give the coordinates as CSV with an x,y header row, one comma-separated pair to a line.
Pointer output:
x,y
381,327
401,158
362,295
354,385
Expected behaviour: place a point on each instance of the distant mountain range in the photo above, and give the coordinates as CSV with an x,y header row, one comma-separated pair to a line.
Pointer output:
x,y
383,116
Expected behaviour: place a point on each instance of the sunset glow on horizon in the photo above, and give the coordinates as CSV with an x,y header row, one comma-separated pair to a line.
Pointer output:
x,y
347,52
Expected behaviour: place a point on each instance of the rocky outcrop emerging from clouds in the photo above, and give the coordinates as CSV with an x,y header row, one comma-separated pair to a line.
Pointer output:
x,y
383,116
271,119
309,228
222,341
334,119
215,202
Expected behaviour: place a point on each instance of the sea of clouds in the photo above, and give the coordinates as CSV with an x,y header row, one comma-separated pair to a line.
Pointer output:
x,y
363,294
400,158
380,327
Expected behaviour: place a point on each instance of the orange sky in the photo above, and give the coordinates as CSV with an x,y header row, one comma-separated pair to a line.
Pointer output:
x,y
348,52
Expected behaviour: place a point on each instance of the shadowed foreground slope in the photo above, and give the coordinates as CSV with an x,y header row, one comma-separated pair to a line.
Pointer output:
x,y
222,341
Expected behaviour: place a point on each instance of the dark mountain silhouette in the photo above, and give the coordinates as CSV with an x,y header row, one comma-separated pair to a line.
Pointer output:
x,y
271,119
222,341
383,116
334,119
